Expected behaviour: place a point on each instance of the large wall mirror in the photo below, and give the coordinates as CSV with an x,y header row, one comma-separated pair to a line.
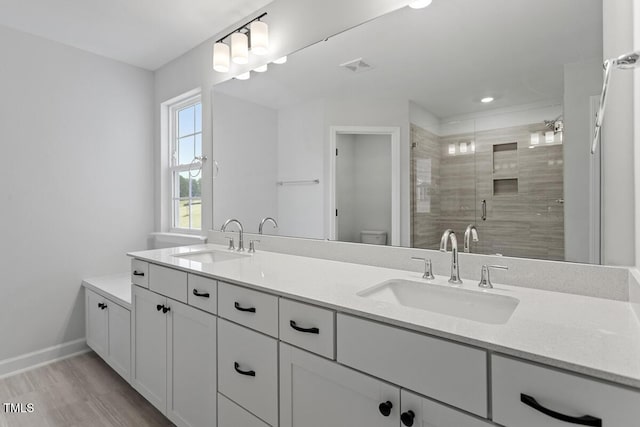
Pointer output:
x,y
464,113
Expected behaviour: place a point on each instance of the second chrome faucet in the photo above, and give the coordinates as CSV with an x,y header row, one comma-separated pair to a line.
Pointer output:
x,y
455,267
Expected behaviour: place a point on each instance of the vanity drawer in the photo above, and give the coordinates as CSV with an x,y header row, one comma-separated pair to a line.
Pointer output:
x,y
428,413
202,293
557,391
309,327
448,372
248,370
168,282
140,273
253,309
232,415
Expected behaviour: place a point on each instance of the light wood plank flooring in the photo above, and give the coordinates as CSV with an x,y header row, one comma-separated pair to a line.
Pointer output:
x,y
82,391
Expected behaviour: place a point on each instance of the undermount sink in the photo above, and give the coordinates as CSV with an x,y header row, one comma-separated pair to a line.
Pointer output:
x,y
210,257
472,305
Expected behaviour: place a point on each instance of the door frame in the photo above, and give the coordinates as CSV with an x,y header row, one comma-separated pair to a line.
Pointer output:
x,y
394,133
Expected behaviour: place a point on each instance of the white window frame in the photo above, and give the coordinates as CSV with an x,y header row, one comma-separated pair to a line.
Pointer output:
x,y
174,169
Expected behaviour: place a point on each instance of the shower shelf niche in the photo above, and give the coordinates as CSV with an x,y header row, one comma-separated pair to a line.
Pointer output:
x,y
505,169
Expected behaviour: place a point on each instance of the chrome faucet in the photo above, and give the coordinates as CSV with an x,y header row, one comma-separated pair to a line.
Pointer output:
x,y
240,229
470,233
455,267
265,219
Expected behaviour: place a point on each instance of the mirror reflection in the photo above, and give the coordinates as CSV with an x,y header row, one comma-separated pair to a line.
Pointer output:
x,y
466,115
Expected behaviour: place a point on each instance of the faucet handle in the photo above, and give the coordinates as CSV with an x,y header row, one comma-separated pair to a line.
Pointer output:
x,y
232,245
485,278
252,246
428,268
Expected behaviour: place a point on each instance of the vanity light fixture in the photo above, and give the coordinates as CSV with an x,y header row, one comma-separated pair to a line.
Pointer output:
x,y
280,61
535,138
419,4
487,100
244,76
261,69
252,36
549,137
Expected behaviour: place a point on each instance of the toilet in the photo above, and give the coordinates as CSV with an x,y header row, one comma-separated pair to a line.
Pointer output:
x,y
373,237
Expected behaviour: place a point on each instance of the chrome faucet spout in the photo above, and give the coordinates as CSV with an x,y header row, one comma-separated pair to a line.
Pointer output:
x,y
470,233
455,266
264,220
240,230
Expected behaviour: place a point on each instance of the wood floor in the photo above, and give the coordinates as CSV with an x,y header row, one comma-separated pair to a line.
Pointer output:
x,y
76,392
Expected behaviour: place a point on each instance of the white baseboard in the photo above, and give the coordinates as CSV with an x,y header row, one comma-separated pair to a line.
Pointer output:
x,y
28,361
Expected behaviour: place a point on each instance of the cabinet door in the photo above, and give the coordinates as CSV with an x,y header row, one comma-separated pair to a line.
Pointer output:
x,y
191,366
149,356
119,320
96,318
315,392
420,412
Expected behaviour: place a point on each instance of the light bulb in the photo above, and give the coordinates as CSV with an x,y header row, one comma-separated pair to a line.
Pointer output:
x,y
239,48
419,4
281,60
221,57
259,32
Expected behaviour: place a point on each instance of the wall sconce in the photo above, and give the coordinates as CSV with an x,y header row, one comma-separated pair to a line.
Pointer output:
x,y
252,36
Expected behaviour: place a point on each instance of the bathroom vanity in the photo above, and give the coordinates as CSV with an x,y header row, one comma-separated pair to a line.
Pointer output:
x,y
271,339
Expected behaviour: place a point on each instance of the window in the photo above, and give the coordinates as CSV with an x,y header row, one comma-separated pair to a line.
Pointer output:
x,y
185,164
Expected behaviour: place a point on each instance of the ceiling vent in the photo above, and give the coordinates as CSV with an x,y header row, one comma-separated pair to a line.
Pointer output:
x,y
356,66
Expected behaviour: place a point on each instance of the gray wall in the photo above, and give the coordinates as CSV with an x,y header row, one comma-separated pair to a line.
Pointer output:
x,y
77,180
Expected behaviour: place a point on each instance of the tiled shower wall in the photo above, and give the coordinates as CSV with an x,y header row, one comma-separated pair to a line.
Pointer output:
x,y
527,222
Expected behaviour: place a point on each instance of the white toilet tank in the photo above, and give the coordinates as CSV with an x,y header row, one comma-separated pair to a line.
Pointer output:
x,y
373,237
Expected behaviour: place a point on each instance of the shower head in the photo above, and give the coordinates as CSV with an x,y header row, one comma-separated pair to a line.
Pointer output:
x,y
627,61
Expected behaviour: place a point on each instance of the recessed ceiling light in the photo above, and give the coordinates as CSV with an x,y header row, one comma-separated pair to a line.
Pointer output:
x,y
487,100
419,4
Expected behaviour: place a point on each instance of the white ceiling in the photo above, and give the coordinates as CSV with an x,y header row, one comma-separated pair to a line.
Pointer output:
x,y
145,33
445,57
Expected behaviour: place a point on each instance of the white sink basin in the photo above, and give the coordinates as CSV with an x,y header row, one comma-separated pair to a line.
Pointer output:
x,y
473,305
210,257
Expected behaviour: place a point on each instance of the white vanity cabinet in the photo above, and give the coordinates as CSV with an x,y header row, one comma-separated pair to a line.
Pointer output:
x,y
316,392
174,358
108,329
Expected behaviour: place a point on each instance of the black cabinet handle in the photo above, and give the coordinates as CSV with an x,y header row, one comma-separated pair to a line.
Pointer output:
x,y
159,307
407,418
165,309
102,306
385,408
203,294
138,273
236,366
307,330
586,420
250,309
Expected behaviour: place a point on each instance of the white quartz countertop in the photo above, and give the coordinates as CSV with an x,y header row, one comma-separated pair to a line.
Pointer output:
x,y
596,337
116,287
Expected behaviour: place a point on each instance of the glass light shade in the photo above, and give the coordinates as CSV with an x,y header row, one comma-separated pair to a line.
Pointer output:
x,y
259,32
244,76
281,60
535,138
419,4
549,137
472,146
221,57
261,69
452,148
463,147
239,48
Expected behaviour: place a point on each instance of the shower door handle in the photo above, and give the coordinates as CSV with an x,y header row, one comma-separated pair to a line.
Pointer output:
x,y
484,210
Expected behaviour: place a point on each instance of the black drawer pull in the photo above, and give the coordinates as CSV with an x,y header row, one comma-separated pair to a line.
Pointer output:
x,y
407,418
203,294
165,309
138,273
250,309
586,420
385,408
236,366
307,330
102,306
159,307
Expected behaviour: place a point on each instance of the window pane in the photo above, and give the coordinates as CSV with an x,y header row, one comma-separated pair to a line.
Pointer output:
x,y
196,180
196,214
198,112
186,121
185,150
199,144
183,192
